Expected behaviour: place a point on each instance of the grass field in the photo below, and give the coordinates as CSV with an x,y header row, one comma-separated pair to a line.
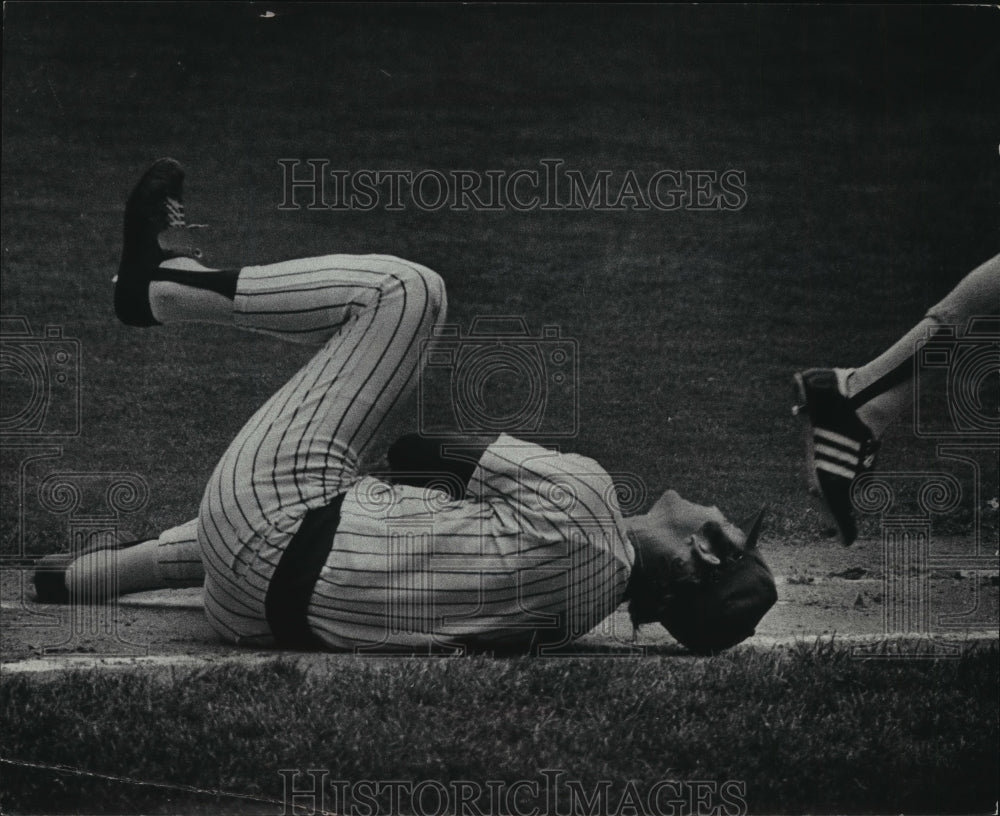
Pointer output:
x,y
868,142
860,736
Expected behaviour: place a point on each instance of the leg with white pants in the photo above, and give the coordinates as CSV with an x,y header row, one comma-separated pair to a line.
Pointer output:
x,y
302,448
170,561
882,390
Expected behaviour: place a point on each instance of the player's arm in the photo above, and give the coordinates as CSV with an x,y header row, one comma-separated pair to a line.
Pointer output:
x,y
447,462
526,474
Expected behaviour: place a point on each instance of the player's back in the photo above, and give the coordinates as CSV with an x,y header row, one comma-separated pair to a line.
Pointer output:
x,y
535,552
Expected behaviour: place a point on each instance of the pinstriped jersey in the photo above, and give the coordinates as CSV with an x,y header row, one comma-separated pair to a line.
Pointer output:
x,y
535,553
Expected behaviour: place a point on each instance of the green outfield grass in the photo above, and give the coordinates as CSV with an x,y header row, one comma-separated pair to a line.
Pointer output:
x,y
811,729
868,141
871,180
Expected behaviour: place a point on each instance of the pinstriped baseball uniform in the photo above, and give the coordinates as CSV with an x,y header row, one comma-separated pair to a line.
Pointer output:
x,y
178,556
535,551
301,449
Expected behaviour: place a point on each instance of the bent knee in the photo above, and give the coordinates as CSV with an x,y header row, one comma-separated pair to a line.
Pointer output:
x,y
422,284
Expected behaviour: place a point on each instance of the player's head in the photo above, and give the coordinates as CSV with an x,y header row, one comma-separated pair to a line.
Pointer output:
x,y
698,574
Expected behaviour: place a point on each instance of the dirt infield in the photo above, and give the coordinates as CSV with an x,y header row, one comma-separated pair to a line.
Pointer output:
x,y
870,181
825,591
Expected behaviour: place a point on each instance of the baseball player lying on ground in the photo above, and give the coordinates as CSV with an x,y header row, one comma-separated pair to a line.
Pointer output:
x,y
494,544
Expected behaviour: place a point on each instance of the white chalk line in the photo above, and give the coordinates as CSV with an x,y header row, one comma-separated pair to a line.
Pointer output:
x,y
895,644
171,786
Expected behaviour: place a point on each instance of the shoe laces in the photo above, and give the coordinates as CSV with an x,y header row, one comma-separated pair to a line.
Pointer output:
x,y
175,213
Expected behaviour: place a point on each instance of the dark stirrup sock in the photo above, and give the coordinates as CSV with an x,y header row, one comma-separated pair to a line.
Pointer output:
x,y
899,374
222,281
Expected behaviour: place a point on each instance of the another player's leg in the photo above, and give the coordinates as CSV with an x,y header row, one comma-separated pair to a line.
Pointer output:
x,y
849,409
170,561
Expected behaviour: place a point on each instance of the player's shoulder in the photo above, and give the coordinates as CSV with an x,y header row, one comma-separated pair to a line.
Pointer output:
x,y
552,462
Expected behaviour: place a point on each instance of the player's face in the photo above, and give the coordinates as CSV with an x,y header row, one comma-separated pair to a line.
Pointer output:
x,y
674,521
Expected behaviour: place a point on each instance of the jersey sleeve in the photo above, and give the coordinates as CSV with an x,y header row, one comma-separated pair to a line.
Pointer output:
x,y
551,495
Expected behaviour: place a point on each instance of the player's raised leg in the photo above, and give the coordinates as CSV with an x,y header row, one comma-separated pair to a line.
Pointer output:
x,y
849,409
302,448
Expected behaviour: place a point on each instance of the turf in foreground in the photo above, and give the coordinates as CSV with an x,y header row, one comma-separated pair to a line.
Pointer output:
x,y
804,730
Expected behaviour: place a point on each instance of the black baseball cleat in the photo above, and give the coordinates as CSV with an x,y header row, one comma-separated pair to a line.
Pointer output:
x,y
50,578
155,231
839,446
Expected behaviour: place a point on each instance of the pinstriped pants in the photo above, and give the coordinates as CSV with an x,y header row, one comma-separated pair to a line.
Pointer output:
x,y
303,447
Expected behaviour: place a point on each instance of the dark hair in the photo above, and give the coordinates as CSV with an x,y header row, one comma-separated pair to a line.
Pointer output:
x,y
722,608
653,584
706,607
